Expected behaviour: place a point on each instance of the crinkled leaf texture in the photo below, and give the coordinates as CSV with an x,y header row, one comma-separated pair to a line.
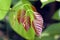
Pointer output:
x,y
22,20
30,34
4,7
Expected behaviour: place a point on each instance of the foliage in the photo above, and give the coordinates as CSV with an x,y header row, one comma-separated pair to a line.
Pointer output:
x,y
56,16
14,23
50,33
4,8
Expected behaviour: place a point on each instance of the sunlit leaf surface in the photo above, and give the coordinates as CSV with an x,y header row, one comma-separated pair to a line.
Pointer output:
x,y
4,7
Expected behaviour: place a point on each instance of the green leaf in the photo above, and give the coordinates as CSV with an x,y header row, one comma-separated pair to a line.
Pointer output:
x,y
51,33
19,28
44,2
58,0
4,7
55,37
53,29
56,16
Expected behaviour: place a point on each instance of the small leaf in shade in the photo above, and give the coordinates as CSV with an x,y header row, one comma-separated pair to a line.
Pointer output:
x,y
58,0
4,7
56,16
44,2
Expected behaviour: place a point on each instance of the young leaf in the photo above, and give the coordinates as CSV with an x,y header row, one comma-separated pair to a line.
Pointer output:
x,y
58,0
17,19
22,20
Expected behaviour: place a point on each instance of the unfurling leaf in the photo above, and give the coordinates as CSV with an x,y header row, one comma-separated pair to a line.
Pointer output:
x,y
38,23
25,20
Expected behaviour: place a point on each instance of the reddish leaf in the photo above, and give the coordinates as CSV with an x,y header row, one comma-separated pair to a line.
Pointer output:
x,y
37,23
